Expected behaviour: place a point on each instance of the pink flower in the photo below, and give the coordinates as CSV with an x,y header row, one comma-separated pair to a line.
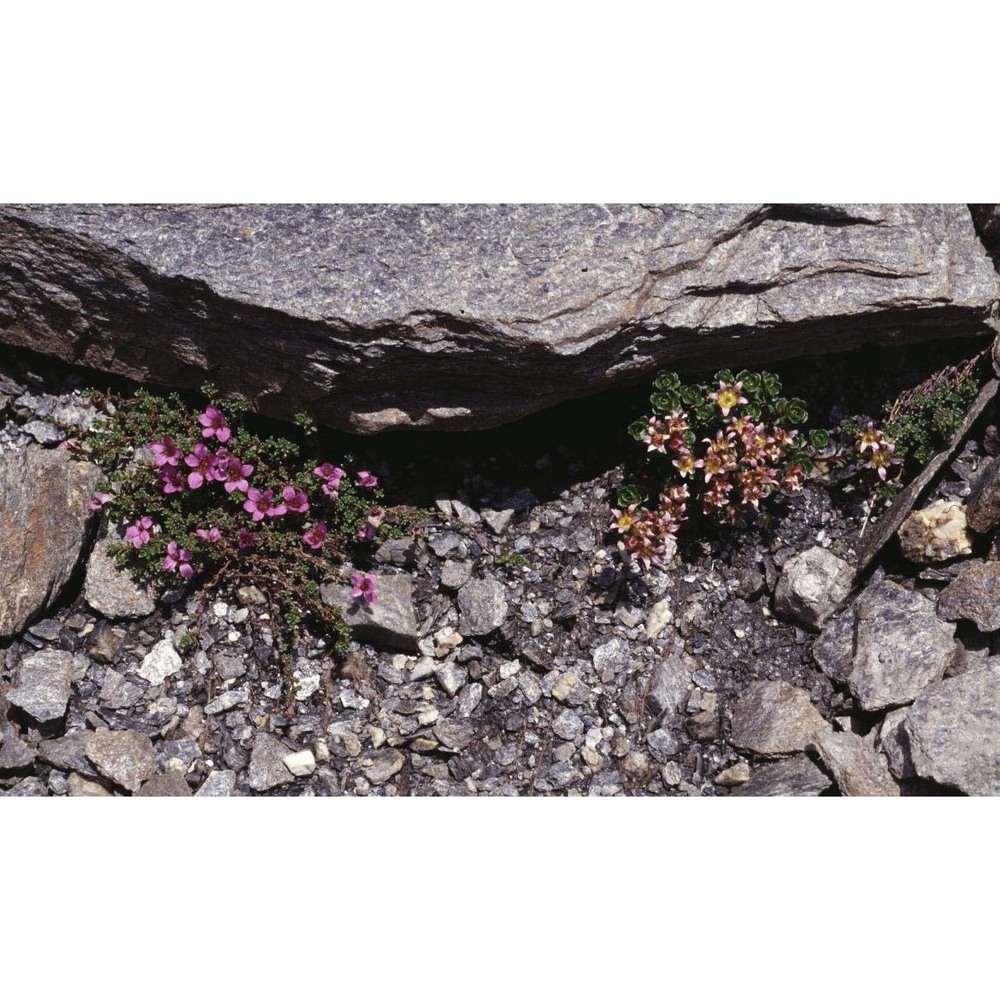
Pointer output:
x,y
178,560
366,533
165,452
138,533
172,480
367,479
231,471
214,425
203,465
364,586
315,535
210,535
260,504
245,539
728,396
332,475
98,500
295,500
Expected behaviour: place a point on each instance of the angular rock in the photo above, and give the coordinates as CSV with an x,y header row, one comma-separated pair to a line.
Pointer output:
x,y
218,784
451,676
15,754
854,767
379,316
28,788
169,784
482,606
44,684
456,573
161,662
982,509
660,616
671,683
901,646
301,764
954,732
80,786
117,692
738,774
567,725
973,595
44,523
124,756
382,765
833,649
796,776
111,591
813,584
935,534
69,753
772,717
267,763
454,733
894,742
391,621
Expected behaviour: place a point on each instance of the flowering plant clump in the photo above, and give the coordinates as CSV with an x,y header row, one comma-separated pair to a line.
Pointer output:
x,y
205,499
712,451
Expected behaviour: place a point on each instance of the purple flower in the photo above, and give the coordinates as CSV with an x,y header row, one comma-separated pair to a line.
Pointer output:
x,y
260,504
172,480
138,533
315,535
213,424
367,479
178,560
364,586
98,500
165,452
366,532
203,465
332,475
245,539
230,470
295,500
210,535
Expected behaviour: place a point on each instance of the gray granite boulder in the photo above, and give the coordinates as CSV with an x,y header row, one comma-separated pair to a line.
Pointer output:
x,y
44,523
462,316
812,585
773,718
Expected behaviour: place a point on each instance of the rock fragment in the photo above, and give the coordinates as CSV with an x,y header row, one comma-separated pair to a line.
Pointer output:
x,y
773,717
124,756
813,584
44,684
972,595
935,534
482,606
855,768
390,622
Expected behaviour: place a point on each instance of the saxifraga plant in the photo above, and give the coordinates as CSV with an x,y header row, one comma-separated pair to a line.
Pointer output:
x,y
202,498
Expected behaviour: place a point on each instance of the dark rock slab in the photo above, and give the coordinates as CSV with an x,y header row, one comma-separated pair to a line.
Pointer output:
x,y
69,753
461,316
773,717
974,595
170,783
43,500
796,776
954,732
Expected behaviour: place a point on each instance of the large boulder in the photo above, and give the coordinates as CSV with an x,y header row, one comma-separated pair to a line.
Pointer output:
x,y
462,316
43,526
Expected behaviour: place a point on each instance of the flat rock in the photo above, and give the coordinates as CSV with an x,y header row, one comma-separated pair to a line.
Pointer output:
x,y
936,533
900,646
80,786
44,684
796,776
301,764
43,499
773,717
855,768
954,732
894,742
218,784
111,591
169,784
456,734
267,763
671,682
382,765
463,316
812,585
124,756
972,595
69,753
833,649
161,662
390,622
482,606
15,754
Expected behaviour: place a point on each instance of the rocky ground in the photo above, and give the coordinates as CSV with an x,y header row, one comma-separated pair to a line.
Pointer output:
x,y
511,652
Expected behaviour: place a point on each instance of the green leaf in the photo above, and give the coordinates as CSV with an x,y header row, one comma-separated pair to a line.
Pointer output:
x,y
628,495
726,375
637,428
819,438
666,381
665,402
691,395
